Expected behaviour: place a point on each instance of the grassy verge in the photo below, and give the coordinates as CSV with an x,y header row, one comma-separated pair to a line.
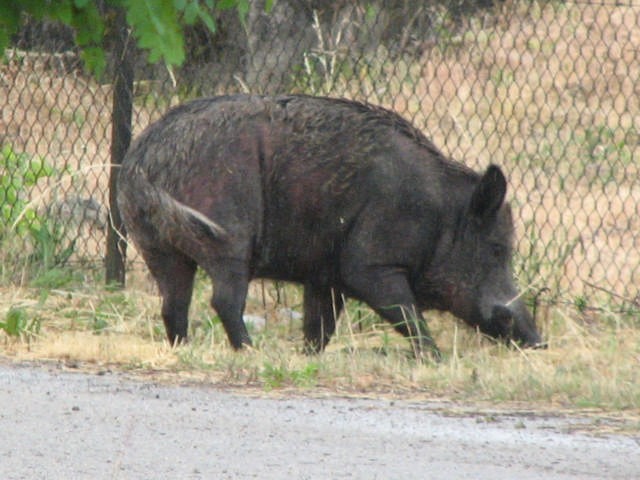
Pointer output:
x,y
593,360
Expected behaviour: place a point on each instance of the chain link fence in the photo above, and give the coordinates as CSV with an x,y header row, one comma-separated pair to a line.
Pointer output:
x,y
549,90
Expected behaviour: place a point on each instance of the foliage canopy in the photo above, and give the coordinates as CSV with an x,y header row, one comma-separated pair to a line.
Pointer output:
x,y
156,24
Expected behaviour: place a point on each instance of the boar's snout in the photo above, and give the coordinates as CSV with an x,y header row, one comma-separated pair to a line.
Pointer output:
x,y
514,322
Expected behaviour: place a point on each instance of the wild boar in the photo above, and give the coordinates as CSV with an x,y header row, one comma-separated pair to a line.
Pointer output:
x,y
345,198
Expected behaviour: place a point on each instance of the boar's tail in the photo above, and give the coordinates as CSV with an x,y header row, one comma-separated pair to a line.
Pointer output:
x,y
170,218
172,213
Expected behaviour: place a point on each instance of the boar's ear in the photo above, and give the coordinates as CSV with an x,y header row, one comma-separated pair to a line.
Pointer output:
x,y
489,194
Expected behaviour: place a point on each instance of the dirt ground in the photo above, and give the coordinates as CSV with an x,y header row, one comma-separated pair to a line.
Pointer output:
x,y
57,423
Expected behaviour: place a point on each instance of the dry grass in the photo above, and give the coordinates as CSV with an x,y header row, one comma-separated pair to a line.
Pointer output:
x,y
591,362
549,90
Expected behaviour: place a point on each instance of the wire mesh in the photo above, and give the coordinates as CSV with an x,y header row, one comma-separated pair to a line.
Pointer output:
x,y
549,90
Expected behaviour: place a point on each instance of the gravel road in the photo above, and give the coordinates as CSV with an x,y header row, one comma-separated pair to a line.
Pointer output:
x,y
56,424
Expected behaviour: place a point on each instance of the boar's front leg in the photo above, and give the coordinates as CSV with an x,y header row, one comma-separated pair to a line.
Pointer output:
x,y
387,291
322,306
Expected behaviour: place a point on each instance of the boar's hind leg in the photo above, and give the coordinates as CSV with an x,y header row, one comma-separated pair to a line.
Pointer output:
x,y
321,308
174,273
387,291
230,285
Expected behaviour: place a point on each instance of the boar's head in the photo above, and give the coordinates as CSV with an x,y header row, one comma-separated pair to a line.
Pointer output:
x,y
473,267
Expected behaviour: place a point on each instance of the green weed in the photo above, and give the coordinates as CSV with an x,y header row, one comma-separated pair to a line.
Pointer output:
x,y
17,324
19,173
48,240
280,375
54,277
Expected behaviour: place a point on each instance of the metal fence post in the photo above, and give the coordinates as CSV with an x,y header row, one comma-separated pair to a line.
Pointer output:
x,y
120,139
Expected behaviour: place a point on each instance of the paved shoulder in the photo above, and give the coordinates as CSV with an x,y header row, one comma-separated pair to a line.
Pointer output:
x,y
73,425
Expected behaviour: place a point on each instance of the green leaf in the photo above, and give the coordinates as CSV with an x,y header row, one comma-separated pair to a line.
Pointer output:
x,y
226,4
89,26
61,11
243,10
9,22
94,59
10,13
191,12
208,20
15,322
155,24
